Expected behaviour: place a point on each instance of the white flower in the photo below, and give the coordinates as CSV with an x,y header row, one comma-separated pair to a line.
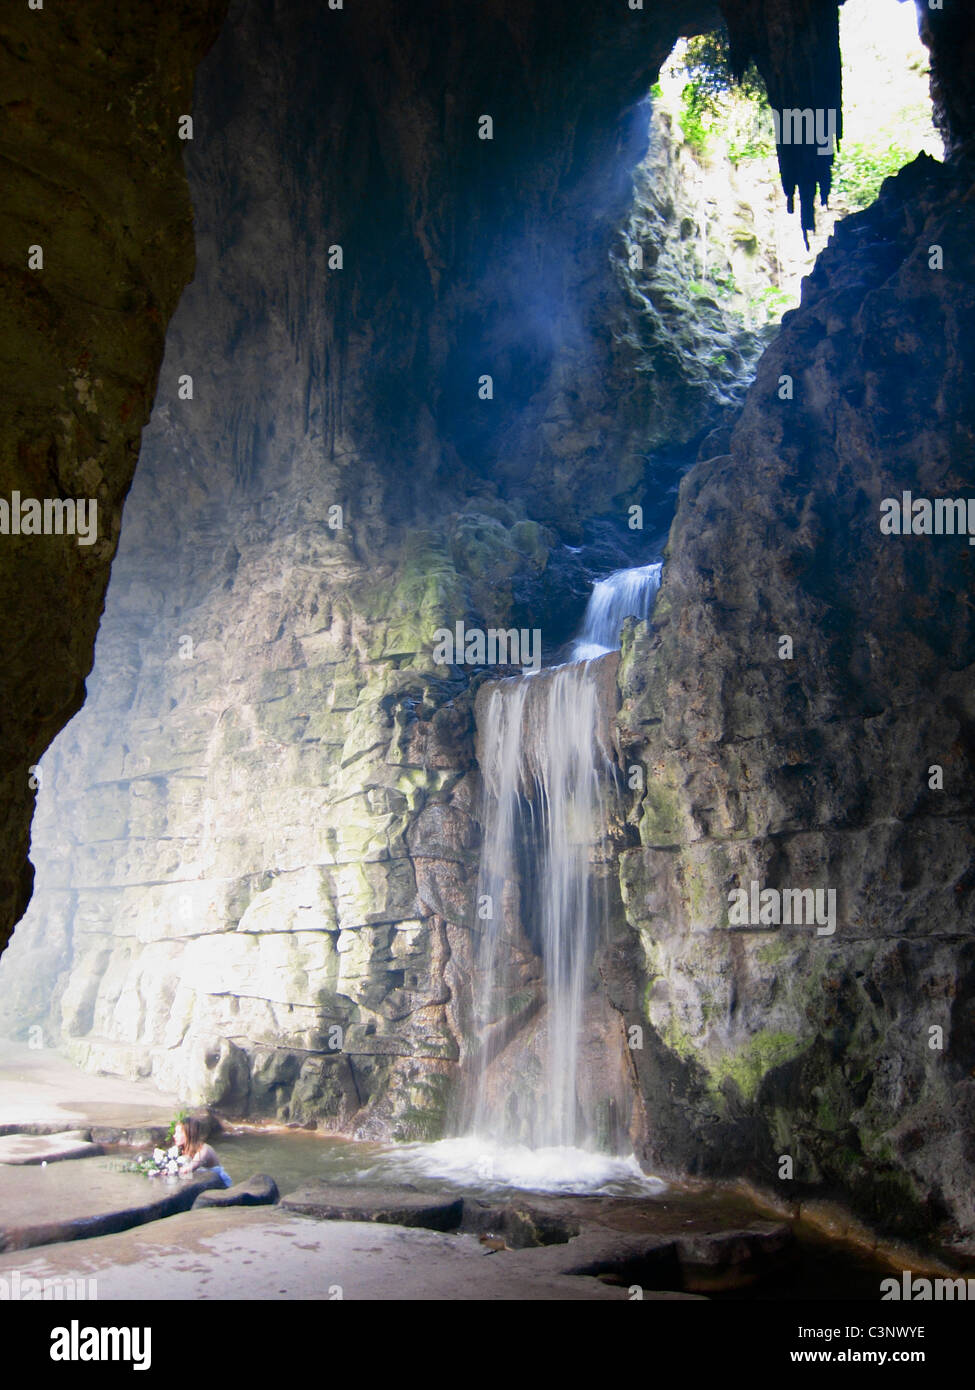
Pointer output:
x,y
172,1167
173,1152
158,1155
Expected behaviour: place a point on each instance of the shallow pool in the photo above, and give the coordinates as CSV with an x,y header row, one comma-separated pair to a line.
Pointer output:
x,y
472,1166
824,1268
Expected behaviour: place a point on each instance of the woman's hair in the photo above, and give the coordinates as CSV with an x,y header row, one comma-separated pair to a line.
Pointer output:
x,y
193,1129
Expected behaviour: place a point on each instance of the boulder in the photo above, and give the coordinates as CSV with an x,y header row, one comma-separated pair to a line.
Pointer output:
x,y
435,1211
258,1191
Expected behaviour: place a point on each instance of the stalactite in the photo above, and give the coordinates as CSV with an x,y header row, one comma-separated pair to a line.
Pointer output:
x,y
796,48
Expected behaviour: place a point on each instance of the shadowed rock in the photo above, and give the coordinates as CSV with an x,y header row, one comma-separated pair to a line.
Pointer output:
x,y
258,1191
393,1207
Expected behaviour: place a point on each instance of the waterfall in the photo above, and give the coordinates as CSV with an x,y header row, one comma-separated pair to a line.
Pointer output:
x,y
623,594
547,776
542,780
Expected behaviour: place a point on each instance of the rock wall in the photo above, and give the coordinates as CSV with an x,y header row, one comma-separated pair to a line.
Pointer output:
x,y
813,765
260,853
97,246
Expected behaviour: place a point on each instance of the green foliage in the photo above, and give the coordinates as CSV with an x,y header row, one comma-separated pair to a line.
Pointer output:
x,y
859,170
771,303
724,280
183,1115
707,63
709,91
750,140
719,284
695,111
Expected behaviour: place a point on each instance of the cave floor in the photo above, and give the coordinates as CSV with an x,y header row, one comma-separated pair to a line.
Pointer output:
x,y
82,1216
265,1253
42,1092
65,1201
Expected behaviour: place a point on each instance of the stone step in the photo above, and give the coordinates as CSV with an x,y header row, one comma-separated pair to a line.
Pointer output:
x,y
20,1149
622,1240
258,1191
69,1201
396,1207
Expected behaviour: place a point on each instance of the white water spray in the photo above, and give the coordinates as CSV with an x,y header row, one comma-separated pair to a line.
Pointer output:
x,y
546,769
623,594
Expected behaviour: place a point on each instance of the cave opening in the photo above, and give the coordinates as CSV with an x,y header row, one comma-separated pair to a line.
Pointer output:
x,y
743,249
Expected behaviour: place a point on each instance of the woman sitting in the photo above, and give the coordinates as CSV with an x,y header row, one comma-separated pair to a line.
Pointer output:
x,y
195,1153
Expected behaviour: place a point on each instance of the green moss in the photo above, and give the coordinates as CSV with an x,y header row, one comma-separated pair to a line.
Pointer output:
x,y
663,608
235,736
679,1041
275,685
426,594
660,822
515,1003
694,887
483,549
527,537
285,720
424,1118
882,1150
748,1066
827,1116
707,903
774,951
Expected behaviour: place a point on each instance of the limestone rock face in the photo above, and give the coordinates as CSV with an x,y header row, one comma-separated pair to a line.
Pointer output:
x,y
670,329
805,678
260,859
98,245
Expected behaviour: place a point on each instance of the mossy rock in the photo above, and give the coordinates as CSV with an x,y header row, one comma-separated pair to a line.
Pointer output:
x,y
660,823
748,1065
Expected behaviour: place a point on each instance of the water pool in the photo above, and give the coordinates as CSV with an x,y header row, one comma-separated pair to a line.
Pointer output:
x,y
473,1167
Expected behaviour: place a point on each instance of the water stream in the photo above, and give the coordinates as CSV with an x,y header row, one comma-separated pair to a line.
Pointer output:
x,y
544,1078
623,594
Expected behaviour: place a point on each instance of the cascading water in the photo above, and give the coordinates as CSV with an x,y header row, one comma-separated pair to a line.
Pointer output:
x,y
543,771
623,594
547,775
